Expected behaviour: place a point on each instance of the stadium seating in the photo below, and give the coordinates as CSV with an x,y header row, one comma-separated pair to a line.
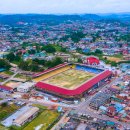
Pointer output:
x,y
88,69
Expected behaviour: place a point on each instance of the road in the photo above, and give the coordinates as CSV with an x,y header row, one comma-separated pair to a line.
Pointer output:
x,y
84,108
10,78
57,125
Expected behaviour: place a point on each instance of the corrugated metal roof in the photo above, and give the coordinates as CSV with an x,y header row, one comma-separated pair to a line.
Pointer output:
x,y
49,70
5,88
86,86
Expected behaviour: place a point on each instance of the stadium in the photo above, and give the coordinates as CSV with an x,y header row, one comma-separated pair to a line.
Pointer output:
x,y
71,81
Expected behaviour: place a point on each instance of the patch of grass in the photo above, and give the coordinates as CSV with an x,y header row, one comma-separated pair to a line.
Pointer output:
x,y
1,80
8,72
6,111
40,106
16,62
21,76
118,56
3,128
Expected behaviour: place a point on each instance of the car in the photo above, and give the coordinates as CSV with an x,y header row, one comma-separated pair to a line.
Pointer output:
x,y
9,99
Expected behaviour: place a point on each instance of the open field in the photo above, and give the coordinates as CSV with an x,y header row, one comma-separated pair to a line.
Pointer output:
x,y
70,79
8,72
12,84
115,58
1,80
7,110
43,121
21,76
3,128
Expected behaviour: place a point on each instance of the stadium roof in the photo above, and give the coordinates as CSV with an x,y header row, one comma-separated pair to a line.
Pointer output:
x,y
5,88
86,86
49,70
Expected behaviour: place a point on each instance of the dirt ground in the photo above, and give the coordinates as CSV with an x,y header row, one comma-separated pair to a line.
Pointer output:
x,y
70,79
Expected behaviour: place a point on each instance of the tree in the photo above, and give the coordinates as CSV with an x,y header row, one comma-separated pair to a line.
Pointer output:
x,y
31,51
76,36
34,67
4,104
4,64
98,51
23,65
40,62
54,62
113,63
49,49
10,56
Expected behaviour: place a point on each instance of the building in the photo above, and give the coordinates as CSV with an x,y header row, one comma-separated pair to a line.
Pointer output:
x,y
21,116
92,60
100,78
25,87
99,100
26,117
5,88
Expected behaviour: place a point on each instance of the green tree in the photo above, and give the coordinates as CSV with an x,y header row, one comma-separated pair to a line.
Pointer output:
x,y
98,51
4,104
4,64
76,36
24,65
49,49
10,56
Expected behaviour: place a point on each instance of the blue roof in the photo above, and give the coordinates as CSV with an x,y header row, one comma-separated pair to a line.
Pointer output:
x,y
110,123
59,109
118,107
2,69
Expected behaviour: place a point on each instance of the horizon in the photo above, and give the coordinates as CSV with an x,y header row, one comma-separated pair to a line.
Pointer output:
x,y
112,13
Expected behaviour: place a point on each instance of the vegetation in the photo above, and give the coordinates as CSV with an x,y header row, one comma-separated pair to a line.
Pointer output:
x,y
54,62
12,57
3,128
46,118
5,104
6,110
34,65
125,37
29,65
98,52
4,64
76,36
49,48
8,72
21,76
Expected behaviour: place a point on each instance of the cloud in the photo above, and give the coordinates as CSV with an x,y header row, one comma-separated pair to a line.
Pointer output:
x,y
64,6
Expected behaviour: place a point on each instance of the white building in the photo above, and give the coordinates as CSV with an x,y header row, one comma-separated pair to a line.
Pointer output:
x,y
25,87
21,116
26,117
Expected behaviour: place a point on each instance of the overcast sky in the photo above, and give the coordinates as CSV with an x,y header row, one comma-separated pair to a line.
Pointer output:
x,y
64,6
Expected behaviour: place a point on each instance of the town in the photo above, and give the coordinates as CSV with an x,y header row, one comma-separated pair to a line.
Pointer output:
x,y
64,73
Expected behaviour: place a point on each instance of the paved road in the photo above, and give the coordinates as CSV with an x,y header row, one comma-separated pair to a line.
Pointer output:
x,y
57,126
84,108
10,78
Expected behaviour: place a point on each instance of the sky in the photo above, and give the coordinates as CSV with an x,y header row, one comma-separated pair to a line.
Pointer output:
x,y
63,6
